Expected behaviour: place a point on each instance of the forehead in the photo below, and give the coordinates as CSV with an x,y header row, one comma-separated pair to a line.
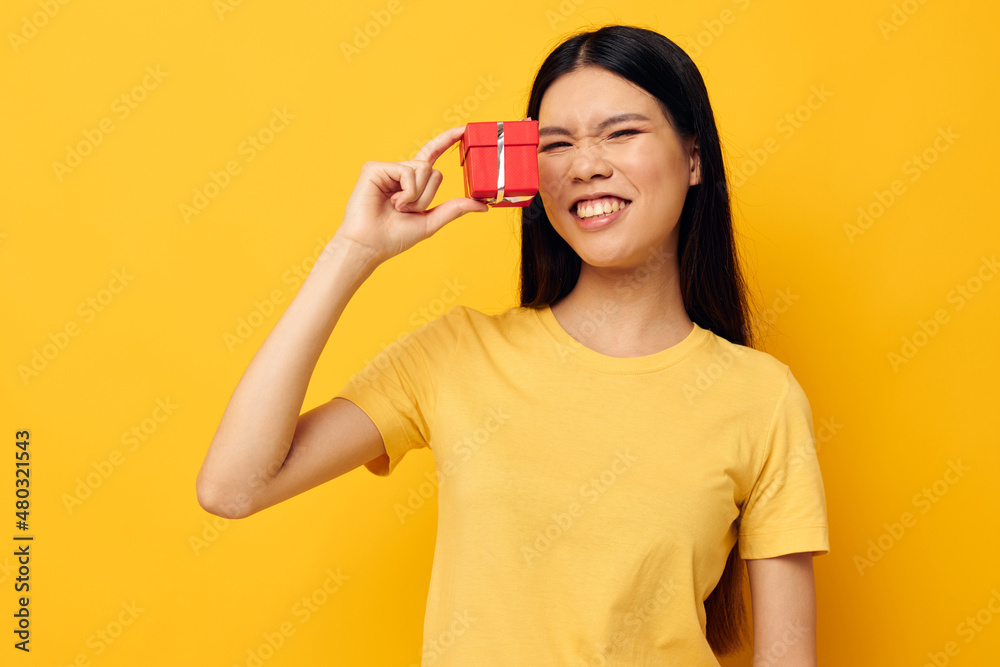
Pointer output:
x,y
585,97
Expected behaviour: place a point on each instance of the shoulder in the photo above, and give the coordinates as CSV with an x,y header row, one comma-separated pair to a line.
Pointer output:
x,y
747,362
458,323
755,377
507,320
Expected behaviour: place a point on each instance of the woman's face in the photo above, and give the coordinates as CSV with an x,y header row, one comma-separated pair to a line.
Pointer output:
x,y
641,160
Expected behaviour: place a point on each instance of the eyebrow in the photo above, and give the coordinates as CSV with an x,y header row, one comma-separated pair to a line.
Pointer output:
x,y
620,118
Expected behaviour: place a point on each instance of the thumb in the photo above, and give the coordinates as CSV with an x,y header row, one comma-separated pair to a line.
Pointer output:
x,y
442,214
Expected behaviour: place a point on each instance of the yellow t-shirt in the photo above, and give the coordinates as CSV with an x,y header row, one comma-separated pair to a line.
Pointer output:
x,y
587,503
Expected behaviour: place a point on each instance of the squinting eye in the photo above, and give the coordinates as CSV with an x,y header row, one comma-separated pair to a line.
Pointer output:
x,y
563,143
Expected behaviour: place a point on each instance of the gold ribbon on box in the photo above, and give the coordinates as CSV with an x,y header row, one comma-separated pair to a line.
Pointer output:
x,y
500,169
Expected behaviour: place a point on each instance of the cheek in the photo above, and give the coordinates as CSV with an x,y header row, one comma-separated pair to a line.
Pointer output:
x,y
550,183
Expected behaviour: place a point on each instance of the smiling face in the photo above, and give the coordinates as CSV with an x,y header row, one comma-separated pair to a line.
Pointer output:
x,y
639,158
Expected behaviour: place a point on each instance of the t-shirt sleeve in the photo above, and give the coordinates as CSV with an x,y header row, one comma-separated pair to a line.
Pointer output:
x,y
785,511
398,388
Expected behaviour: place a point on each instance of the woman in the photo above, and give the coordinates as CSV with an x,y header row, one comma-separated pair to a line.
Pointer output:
x,y
607,453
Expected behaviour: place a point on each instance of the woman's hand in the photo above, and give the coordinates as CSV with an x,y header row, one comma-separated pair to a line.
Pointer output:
x,y
385,212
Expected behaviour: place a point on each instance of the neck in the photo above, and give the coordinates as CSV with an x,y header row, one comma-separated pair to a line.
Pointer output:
x,y
626,312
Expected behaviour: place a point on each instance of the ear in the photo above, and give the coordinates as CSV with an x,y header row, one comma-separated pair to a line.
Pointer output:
x,y
695,161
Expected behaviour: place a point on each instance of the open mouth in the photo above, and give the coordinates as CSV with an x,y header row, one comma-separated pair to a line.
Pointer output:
x,y
596,216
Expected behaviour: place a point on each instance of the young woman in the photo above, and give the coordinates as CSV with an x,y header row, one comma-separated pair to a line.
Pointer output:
x,y
609,452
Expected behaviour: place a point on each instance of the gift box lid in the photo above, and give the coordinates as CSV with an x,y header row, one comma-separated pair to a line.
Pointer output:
x,y
515,133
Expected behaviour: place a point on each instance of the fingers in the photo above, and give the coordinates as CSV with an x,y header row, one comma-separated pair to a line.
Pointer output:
x,y
443,213
427,195
433,149
407,183
418,180
420,175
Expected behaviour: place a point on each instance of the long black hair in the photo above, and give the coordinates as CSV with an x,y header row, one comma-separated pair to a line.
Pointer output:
x,y
711,282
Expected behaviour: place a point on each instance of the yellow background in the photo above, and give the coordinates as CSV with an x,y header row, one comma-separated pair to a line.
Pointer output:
x,y
839,304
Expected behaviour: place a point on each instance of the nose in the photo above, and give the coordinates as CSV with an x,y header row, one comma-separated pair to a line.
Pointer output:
x,y
589,162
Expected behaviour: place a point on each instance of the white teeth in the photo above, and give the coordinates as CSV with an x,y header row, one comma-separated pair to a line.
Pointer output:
x,y
590,210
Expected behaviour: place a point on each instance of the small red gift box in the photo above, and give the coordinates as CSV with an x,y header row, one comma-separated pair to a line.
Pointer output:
x,y
500,162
